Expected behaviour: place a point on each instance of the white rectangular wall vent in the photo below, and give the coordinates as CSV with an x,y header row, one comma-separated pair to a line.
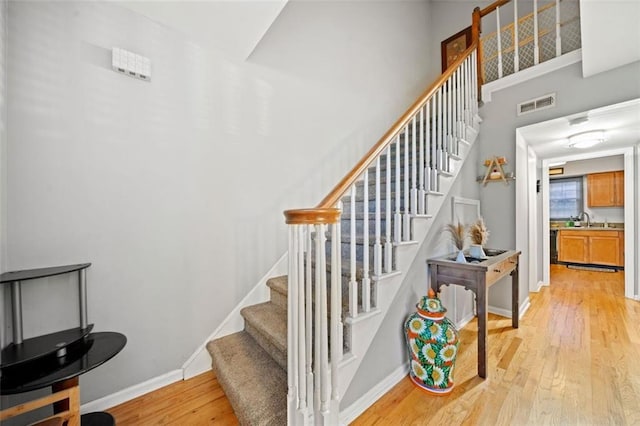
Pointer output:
x,y
543,102
131,64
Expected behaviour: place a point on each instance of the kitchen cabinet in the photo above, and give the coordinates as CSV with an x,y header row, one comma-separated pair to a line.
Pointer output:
x,y
599,247
605,189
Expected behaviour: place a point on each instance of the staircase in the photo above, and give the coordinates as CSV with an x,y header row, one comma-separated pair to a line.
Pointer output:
x,y
300,350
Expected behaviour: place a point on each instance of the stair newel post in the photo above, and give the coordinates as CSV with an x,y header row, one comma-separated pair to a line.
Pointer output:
x,y
377,247
421,150
397,218
292,394
353,283
476,30
293,324
388,246
366,282
414,168
406,224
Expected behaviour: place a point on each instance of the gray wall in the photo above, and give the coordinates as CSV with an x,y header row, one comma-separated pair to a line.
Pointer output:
x,y
174,189
574,94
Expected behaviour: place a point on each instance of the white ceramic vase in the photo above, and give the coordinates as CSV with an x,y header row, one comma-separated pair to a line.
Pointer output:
x,y
460,258
476,251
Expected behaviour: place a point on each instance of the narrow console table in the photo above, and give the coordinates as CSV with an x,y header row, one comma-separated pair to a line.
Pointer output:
x,y
55,359
478,275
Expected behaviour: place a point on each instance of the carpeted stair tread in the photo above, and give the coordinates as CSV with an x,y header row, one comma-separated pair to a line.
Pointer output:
x,y
278,288
267,324
253,382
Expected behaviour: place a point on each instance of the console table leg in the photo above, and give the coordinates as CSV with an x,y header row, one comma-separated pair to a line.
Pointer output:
x,y
515,298
481,306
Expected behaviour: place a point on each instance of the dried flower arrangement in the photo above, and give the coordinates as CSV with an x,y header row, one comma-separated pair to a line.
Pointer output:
x,y
457,233
478,232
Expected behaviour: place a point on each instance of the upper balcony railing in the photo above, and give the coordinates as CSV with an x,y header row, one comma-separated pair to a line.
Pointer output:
x,y
548,31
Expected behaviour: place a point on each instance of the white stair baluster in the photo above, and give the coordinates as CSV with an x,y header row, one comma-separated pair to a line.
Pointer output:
x,y
322,336
414,169
298,314
397,219
516,41
406,224
474,82
427,150
292,325
308,314
558,28
336,303
353,283
377,248
421,166
536,47
449,132
388,245
440,165
366,282
499,38
433,184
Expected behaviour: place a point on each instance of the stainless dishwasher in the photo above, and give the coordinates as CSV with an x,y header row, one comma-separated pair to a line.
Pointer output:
x,y
553,245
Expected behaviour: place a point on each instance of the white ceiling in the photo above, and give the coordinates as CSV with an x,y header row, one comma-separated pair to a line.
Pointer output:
x,y
233,26
621,123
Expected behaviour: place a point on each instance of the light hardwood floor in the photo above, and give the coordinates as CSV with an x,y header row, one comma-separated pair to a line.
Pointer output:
x,y
574,360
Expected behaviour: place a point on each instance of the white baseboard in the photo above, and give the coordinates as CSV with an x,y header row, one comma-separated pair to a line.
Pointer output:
x,y
524,306
352,412
464,321
200,361
131,392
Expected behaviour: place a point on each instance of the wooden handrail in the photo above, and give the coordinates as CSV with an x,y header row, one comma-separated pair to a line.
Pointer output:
x,y
339,190
312,216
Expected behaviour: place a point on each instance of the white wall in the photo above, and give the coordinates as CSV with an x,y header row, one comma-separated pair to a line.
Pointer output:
x,y
175,188
574,94
610,34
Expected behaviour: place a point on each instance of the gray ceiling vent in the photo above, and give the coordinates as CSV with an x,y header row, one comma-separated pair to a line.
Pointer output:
x,y
537,104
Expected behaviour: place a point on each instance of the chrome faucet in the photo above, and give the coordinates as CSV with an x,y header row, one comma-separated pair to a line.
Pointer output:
x,y
582,215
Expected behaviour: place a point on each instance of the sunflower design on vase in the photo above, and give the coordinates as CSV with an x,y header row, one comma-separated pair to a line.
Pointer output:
x,y
432,341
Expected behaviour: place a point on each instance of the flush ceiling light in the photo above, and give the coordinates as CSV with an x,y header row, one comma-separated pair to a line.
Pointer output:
x,y
586,139
578,120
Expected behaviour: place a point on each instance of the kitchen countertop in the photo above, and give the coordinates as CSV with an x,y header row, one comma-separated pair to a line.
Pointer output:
x,y
584,228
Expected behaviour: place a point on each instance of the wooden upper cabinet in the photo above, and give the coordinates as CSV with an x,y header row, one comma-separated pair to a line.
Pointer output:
x,y
605,189
618,185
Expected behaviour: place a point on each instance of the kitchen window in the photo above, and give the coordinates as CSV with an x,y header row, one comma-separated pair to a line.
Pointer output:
x,y
565,198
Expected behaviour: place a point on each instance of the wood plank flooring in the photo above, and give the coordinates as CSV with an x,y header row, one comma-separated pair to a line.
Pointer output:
x,y
574,360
